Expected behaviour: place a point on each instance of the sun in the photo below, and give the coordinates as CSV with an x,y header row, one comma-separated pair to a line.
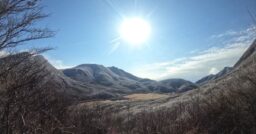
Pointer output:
x,y
135,31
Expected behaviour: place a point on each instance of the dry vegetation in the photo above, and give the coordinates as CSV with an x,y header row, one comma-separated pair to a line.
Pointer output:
x,y
141,97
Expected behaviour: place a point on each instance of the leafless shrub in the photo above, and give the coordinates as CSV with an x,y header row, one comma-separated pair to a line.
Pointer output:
x,y
27,105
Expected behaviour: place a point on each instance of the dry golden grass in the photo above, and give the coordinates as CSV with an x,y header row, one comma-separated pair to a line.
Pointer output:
x,y
127,98
95,103
147,96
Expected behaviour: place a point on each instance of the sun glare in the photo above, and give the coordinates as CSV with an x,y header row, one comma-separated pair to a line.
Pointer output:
x,y
135,31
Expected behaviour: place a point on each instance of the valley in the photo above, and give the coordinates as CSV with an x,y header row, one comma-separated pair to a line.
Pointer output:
x,y
193,67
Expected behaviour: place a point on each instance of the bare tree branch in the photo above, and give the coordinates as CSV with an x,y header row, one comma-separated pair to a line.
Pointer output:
x,y
17,20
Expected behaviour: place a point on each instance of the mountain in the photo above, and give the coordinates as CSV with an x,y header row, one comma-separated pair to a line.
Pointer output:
x,y
98,74
210,77
116,79
180,85
120,80
124,74
51,78
87,81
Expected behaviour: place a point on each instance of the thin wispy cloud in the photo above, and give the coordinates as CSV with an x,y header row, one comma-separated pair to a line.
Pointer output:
x,y
213,70
202,63
59,64
227,33
246,33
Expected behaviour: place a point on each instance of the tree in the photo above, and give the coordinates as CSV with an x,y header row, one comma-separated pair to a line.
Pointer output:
x,y
17,27
24,104
17,23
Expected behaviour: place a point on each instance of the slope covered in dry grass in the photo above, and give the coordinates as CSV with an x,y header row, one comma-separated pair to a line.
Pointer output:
x,y
224,106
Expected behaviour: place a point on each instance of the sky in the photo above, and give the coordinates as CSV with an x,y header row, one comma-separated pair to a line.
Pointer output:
x,y
189,38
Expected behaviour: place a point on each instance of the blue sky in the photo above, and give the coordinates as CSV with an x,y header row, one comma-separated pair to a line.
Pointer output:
x,y
189,38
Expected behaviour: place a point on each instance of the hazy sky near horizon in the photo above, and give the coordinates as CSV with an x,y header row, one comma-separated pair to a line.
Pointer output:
x,y
189,38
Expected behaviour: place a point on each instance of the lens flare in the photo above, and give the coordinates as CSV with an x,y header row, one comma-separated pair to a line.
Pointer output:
x,y
135,31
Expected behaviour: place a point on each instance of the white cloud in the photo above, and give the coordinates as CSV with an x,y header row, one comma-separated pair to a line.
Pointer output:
x,y
227,33
232,33
3,53
201,63
213,70
57,63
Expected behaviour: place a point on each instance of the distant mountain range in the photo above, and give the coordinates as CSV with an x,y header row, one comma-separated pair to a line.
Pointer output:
x,y
121,81
239,80
92,81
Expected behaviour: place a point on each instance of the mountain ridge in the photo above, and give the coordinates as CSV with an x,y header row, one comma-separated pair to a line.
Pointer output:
x,y
118,78
211,77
